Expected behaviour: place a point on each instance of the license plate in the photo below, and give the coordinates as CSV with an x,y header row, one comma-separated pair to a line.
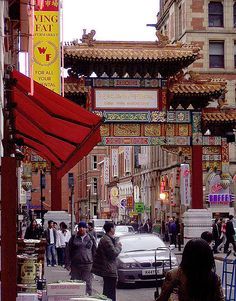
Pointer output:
x,y
151,272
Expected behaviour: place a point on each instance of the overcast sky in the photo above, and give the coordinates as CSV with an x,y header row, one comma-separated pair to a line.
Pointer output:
x,y
117,20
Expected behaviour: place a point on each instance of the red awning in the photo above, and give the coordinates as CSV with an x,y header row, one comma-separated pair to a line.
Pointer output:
x,y
55,127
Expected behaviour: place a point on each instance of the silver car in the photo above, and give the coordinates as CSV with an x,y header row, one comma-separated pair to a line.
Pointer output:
x,y
144,257
124,230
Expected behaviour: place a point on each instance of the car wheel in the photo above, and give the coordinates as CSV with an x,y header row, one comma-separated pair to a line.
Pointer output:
x,y
120,284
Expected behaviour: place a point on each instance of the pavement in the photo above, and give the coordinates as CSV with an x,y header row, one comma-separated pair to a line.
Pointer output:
x,y
56,273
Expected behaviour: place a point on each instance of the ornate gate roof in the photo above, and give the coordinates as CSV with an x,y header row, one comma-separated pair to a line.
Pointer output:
x,y
133,58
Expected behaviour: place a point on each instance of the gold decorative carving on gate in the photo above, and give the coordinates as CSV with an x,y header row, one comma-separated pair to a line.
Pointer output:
x,y
105,130
183,130
170,130
124,130
152,130
211,150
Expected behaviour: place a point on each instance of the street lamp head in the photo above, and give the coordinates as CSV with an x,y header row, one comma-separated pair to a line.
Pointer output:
x,y
162,196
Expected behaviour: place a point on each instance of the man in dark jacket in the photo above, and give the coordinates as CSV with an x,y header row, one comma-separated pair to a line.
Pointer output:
x,y
80,254
230,233
216,232
105,261
172,231
91,230
51,237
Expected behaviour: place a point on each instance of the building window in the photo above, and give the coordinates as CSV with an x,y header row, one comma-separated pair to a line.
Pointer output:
x,y
95,186
94,162
180,20
216,54
216,14
235,55
234,14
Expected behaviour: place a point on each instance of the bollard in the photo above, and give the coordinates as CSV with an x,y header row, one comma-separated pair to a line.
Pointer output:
x,y
179,242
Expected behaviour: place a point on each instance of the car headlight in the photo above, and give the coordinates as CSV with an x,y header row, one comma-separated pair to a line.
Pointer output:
x,y
173,263
127,265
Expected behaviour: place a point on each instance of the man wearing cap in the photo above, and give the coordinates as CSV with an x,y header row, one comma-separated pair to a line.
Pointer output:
x,y
80,254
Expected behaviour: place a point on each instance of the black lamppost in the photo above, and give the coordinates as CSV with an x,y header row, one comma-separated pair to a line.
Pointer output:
x,y
42,187
89,201
71,198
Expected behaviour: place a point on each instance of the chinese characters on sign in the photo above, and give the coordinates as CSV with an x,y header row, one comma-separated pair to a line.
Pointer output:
x,y
127,158
185,184
126,99
106,170
115,162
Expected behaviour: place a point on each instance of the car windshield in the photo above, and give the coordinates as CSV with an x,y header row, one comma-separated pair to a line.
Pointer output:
x,y
141,243
100,223
122,229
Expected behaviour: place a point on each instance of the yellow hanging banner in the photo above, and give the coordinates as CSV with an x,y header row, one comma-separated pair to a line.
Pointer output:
x,y
47,45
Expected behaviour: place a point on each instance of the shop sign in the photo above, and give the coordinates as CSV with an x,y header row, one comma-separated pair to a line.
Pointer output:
x,y
139,207
147,209
106,170
185,184
114,196
136,193
123,203
218,185
224,199
130,202
47,58
127,158
132,213
115,161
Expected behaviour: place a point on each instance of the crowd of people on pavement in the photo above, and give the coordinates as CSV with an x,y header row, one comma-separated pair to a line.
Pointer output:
x,y
56,238
82,256
223,234
79,253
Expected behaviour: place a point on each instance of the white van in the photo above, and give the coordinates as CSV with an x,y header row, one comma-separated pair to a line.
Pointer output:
x,y
98,225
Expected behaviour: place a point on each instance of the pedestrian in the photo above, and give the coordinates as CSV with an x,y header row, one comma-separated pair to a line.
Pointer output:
x,y
91,230
208,237
230,233
105,260
63,237
172,231
80,255
222,236
167,237
33,231
216,232
55,226
51,237
195,279
147,227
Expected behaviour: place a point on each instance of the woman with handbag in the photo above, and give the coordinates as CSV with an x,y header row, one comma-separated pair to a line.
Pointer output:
x,y
195,279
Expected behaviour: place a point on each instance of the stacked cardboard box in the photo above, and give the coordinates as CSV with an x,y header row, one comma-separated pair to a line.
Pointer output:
x,y
64,291
89,299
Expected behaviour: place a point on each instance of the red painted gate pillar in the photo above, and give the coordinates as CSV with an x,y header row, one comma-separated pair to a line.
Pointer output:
x,y
8,226
197,179
56,196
